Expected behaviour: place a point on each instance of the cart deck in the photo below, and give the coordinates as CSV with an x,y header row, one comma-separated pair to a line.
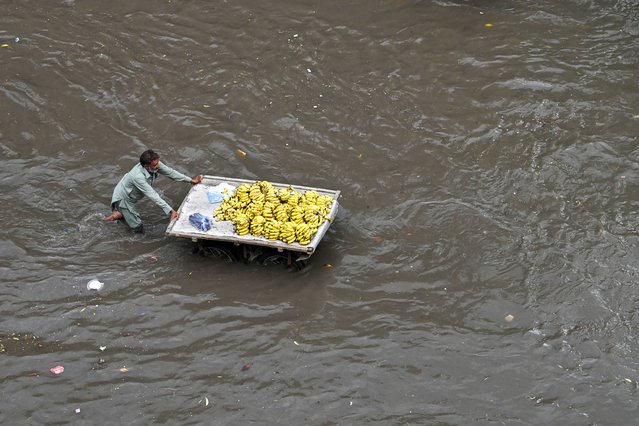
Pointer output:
x,y
197,201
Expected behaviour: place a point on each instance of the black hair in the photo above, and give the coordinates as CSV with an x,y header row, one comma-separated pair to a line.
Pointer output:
x,y
148,157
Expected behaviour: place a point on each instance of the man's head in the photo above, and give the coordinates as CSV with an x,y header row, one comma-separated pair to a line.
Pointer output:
x,y
150,160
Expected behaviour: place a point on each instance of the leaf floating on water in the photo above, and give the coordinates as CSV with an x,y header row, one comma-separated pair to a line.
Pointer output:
x,y
124,370
509,318
488,25
378,239
240,152
247,366
328,266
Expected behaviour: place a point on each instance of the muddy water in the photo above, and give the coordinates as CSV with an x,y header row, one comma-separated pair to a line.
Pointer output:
x,y
483,265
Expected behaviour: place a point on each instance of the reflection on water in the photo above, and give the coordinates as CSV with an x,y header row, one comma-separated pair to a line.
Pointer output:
x,y
482,265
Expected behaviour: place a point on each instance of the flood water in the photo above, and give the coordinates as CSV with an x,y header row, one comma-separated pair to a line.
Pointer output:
x,y
483,266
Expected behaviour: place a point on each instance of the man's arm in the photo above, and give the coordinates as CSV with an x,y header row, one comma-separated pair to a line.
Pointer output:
x,y
173,174
148,190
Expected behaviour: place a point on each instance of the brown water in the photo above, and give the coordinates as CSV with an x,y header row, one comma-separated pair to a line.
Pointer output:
x,y
485,171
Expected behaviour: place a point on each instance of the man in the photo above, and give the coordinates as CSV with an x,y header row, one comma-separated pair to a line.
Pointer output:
x,y
138,183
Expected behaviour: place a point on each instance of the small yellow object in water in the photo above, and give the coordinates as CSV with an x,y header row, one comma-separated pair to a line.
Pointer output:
x,y
488,25
4,45
124,370
240,153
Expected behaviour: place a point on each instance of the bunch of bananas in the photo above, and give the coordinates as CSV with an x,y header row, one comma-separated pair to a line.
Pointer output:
x,y
242,223
285,214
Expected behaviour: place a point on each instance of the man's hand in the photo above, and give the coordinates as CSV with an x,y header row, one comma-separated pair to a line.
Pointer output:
x,y
174,215
197,179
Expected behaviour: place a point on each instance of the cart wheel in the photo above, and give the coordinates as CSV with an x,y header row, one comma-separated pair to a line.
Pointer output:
x,y
280,259
272,259
219,252
298,265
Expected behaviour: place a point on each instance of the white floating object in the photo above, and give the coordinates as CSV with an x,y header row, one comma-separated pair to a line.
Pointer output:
x,y
95,285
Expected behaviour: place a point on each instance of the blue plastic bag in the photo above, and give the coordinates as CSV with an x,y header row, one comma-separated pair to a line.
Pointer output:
x,y
200,222
214,197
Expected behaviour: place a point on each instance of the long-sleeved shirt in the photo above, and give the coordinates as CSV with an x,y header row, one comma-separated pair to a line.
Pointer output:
x,y
138,182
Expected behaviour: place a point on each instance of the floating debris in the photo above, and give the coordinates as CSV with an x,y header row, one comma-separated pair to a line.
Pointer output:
x,y
6,38
24,344
95,285
247,366
57,370
509,318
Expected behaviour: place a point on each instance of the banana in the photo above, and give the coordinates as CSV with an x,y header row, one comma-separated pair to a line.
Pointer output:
x,y
297,214
241,223
257,226
294,199
287,232
272,229
281,212
271,196
265,211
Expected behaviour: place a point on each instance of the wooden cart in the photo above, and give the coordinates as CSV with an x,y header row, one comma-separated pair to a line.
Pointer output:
x,y
222,241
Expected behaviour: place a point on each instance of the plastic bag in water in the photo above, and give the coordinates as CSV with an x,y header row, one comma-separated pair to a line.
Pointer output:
x,y
95,285
200,222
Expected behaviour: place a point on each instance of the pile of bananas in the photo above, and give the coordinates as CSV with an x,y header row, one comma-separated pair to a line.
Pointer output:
x,y
275,214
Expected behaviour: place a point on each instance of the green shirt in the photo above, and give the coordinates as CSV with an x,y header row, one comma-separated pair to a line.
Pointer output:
x,y
139,182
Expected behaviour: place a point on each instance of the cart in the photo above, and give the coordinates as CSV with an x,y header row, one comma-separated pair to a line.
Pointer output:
x,y
222,241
